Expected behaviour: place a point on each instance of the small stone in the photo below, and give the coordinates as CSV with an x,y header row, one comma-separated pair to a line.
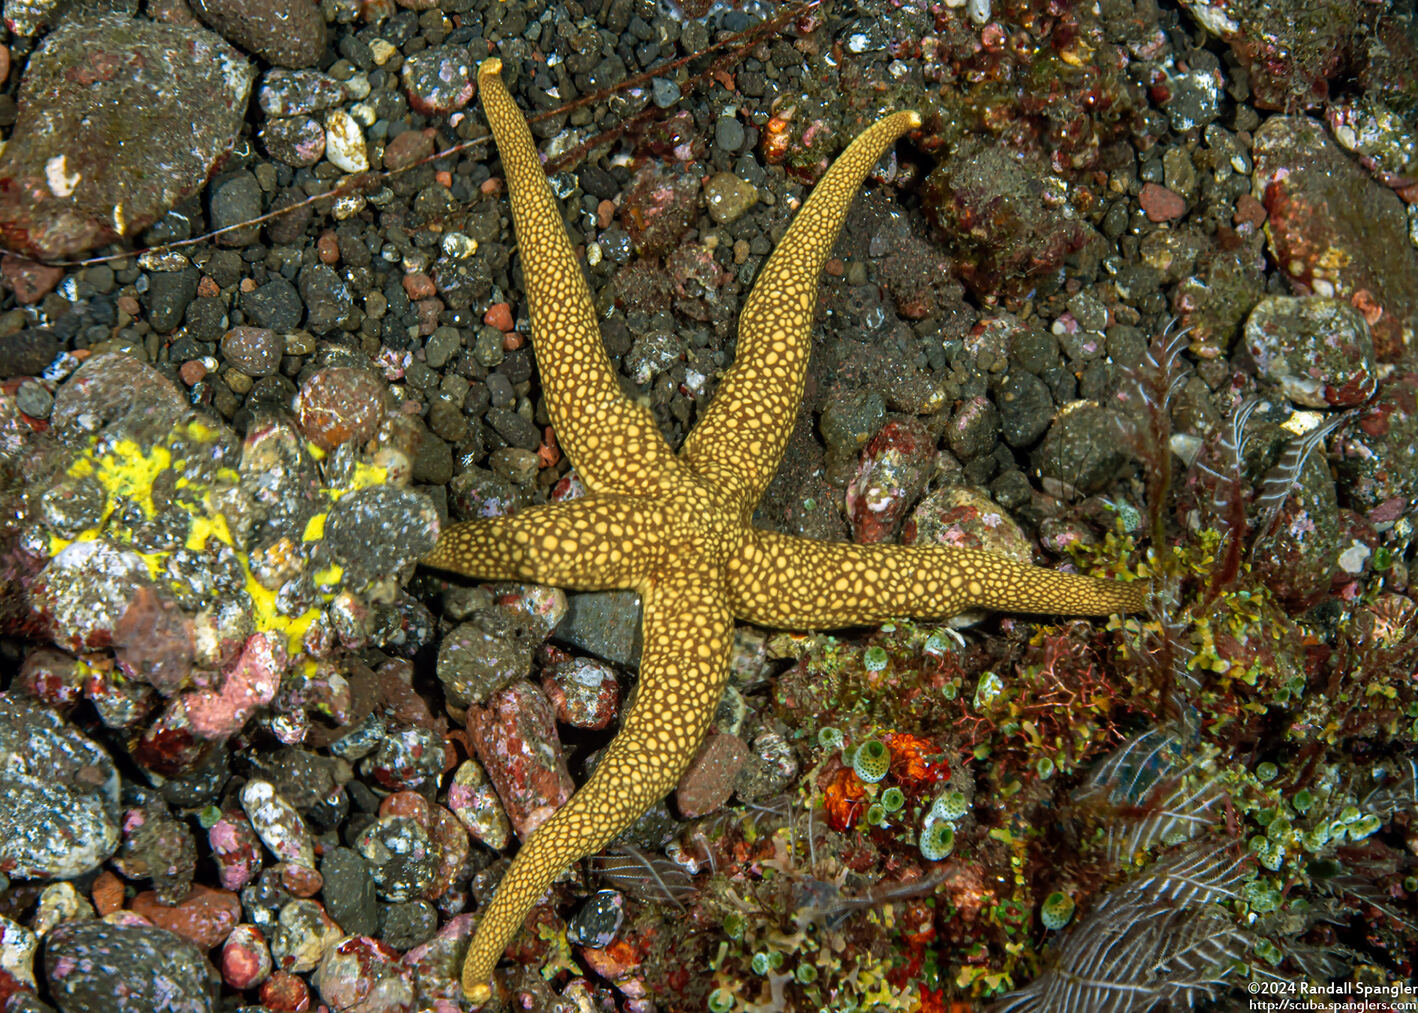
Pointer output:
x,y
728,197
349,891
585,692
364,975
1316,350
102,967
340,403
1161,204
344,142
297,141
246,960
402,859
709,780
439,80
256,351
515,738
288,33
205,916
598,920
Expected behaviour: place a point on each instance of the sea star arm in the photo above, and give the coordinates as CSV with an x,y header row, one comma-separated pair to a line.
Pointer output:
x,y
592,543
683,667
798,583
738,443
612,441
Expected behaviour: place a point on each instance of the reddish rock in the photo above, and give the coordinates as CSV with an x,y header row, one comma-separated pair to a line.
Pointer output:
x,y
408,148
283,992
1336,232
107,893
499,315
340,403
1161,204
246,959
890,475
515,738
585,692
29,281
205,916
709,780
418,285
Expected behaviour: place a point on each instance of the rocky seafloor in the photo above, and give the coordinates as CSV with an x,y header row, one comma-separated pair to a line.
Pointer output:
x,y
1139,298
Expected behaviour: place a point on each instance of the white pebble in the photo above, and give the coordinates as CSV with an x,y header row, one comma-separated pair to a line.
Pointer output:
x,y
344,142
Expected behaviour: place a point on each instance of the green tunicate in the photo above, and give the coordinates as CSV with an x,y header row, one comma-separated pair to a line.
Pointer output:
x,y
1350,814
1410,883
989,689
1262,896
806,974
893,799
1045,767
733,925
1266,771
872,760
876,814
1056,910
950,805
830,738
760,963
874,659
1268,952
720,1001
1364,826
937,840
1303,800
937,643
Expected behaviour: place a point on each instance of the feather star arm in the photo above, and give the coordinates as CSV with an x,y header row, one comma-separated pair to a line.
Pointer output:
x,y
674,701
612,441
799,583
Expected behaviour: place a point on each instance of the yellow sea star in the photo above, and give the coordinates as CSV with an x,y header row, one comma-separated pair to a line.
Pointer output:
x,y
676,527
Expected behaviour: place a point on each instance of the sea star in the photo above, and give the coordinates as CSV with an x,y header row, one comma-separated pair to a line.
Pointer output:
x,y
677,527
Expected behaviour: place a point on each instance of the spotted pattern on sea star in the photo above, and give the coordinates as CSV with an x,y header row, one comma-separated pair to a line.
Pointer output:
x,y
676,528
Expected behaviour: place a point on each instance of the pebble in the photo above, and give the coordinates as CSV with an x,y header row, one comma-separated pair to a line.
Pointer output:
x,y
1336,232
274,305
245,959
349,892
256,351
402,859
364,975
890,476
70,153
288,33
439,80
297,141
301,935
709,780
584,692
236,849
515,738
58,795
1081,450
103,967
1317,351
298,92
598,920
277,823
1161,204
205,916
483,656
344,142
727,197
340,403
474,801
